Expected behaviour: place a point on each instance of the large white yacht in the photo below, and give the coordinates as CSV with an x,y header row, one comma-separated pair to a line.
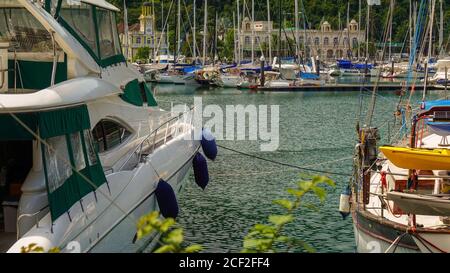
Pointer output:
x,y
83,143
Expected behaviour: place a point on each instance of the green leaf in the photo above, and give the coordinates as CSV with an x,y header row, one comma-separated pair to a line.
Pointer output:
x,y
282,239
284,203
263,228
280,219
323,180
320,193
165,249
174,237
193,249
251,243
305,185
167,224
296,193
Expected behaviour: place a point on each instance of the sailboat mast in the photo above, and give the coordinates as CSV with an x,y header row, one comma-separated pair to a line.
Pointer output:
x,y
205,31
410,28
390,31
238,32
253,31
367,31
348,30
125,24
304,30
194,33
441,27
179,28
216,29
279,33
430,47
153,27
234,37
269,30
359,29
297,39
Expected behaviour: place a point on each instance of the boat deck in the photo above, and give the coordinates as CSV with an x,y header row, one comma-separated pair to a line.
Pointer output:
x,y
341,87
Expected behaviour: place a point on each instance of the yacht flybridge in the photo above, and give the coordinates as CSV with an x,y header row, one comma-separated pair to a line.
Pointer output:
x,y
83,143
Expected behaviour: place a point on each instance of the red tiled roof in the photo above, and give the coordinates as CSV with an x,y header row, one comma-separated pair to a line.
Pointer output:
x,y
134,27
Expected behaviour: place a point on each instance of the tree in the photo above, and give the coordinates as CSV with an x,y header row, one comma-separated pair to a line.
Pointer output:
x,y
142,53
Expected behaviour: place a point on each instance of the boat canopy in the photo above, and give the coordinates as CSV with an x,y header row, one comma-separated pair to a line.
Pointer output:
x,y
438,128
93,24
428,105
49,4
71,164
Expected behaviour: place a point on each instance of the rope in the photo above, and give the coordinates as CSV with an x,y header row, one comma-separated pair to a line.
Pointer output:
x,y
285,164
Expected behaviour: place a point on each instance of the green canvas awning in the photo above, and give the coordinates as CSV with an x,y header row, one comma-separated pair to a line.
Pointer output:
x,y
61,124
63,121
132,93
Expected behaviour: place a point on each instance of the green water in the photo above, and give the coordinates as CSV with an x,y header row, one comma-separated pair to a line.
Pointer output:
x,y
316,130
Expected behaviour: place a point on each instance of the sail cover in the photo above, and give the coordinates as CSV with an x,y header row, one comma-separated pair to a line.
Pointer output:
x,y
438,128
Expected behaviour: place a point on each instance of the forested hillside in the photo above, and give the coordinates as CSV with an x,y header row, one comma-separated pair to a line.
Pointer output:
x,y
334,11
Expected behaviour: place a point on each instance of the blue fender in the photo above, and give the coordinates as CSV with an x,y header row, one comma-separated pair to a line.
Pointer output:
x,y
200,170
209,145
167,200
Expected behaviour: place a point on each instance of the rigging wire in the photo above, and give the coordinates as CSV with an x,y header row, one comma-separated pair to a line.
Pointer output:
x,y
285,164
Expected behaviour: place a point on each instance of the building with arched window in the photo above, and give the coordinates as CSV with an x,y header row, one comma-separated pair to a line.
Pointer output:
x,y
325,42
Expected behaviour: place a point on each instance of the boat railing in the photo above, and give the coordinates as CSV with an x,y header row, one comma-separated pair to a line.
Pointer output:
x,y
29,215
165,132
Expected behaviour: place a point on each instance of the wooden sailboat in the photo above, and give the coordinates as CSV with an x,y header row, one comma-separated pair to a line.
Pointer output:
x,y
400,202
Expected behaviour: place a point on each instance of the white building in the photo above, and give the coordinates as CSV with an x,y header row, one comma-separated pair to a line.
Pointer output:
x,y
326,43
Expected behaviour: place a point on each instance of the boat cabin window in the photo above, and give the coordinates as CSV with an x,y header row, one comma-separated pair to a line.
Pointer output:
x,y
22,30
108,36
79,19
57,162
109,134
95,28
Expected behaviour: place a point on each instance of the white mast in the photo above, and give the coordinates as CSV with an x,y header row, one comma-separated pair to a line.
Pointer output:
x,y
297,38
410,27
178,30
125,25
234,37
253,31
205,31
359,30
194,30
238,33
269,30
430,47
153,27
441,28
348,30
390,31
367,30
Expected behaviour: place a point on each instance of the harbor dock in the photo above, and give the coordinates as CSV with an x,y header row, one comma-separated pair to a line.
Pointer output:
x,y
343,88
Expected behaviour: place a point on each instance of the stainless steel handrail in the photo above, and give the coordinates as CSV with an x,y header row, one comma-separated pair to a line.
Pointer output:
x,y
28,215
151,139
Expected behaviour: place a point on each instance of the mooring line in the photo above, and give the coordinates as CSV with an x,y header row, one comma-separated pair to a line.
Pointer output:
x,y
284,164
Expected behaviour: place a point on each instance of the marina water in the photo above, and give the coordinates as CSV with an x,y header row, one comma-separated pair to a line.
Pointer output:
x,y
317,130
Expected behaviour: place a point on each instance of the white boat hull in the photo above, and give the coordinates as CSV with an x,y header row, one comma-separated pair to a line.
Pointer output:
x,y
366,243
106,226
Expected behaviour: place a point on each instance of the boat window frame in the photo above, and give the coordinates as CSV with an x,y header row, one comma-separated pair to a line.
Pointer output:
x,y
122,143
97,56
